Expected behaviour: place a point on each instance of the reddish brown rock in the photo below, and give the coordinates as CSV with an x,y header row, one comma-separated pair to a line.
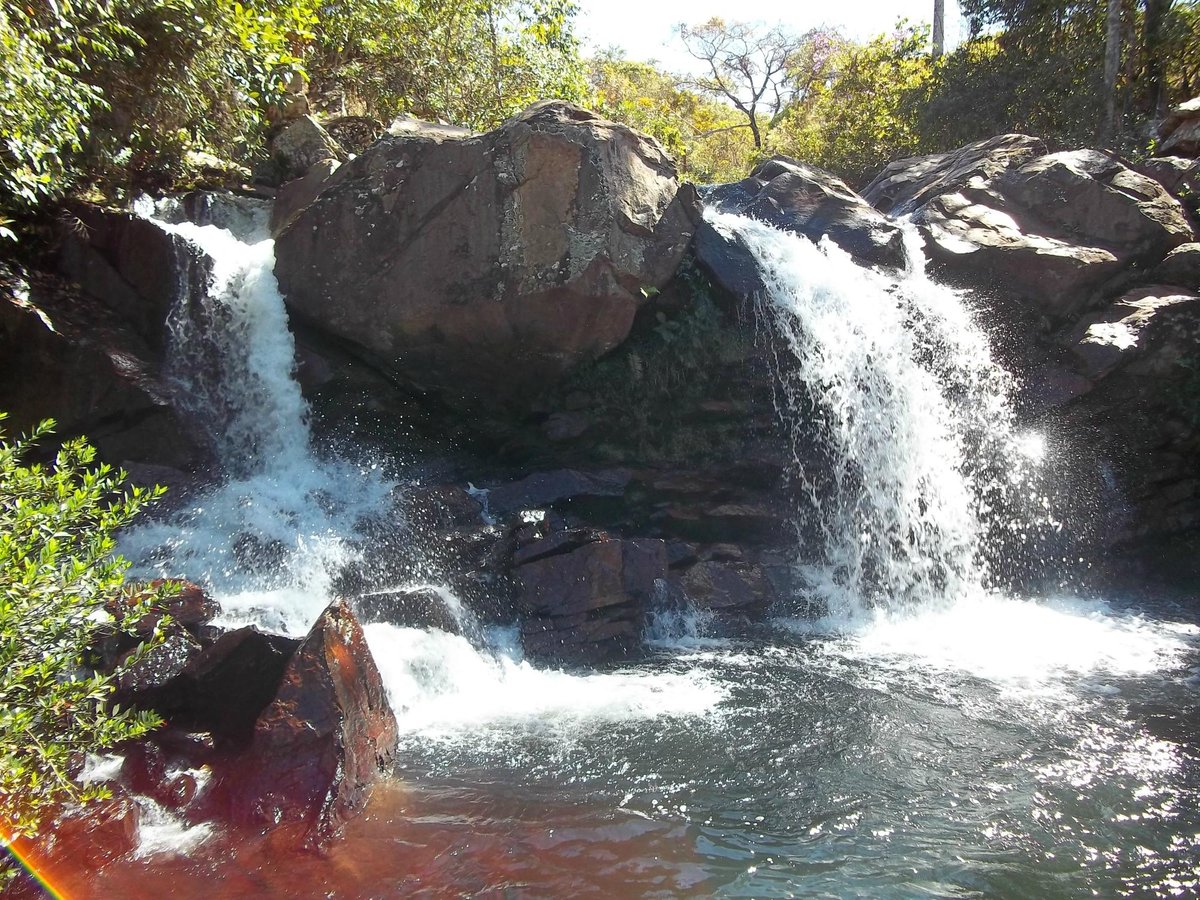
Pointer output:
x,y
322,741
486,267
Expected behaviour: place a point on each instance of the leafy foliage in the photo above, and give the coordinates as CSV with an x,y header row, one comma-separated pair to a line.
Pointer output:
x,y
469,62
57,573
865,113
119,91
707,138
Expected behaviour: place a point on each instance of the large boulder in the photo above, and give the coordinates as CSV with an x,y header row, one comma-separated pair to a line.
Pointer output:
x,y
323,739
485,267
809,201
1054,229
907,184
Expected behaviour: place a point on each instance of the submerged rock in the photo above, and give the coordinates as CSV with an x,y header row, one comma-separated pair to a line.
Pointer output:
x,y
486,267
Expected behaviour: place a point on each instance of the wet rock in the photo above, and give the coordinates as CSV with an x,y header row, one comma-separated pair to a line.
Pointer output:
x,y
64,353
586,604
323,739
728,587
408,608
525,252
548,488
444,506
223,689
98,833
302,145
794,197
1110,338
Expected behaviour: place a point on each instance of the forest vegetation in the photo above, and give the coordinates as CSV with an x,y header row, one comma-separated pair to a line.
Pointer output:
x,y
125,95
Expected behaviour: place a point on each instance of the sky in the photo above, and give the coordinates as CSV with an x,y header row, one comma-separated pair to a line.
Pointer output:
x,y
644,29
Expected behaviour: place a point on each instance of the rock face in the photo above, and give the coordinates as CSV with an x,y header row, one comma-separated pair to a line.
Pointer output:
x,y
486,267
1051,228
584,595
1179,133
322,741
790,195
88,350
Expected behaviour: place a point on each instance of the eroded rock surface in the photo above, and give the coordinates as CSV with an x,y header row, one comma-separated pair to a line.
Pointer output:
x,y
485,267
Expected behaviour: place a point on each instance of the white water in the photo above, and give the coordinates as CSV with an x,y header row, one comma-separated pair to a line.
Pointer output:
x,y
271,536
916,450
919,483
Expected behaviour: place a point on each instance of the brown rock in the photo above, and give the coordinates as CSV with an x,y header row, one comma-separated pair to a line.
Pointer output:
x,y
728,587
322,741
587,603
790,195
1050,228
907,184
484,268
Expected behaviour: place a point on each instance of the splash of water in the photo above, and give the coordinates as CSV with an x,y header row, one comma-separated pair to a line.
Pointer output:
x,y
270,538
906,450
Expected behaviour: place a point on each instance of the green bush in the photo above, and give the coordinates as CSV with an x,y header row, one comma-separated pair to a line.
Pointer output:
x,y
58,572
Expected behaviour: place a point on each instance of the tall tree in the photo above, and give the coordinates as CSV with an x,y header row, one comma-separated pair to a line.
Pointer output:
x,y
751,68
1112,66
939,28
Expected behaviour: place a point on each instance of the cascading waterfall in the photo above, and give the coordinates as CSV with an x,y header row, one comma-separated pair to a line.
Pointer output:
x,y
918,473
270,538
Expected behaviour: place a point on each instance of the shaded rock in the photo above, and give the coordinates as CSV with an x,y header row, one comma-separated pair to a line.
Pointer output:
x,y
728,587
1175,173
89,354
1107,339
906,184
1181,267
141,682
408,608
588,604
484,268
223,689
298,194
792,196
303,144
444,506
323,739
547,488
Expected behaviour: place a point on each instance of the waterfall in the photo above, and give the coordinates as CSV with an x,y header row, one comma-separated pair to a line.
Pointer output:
x,y
270,538
913,476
